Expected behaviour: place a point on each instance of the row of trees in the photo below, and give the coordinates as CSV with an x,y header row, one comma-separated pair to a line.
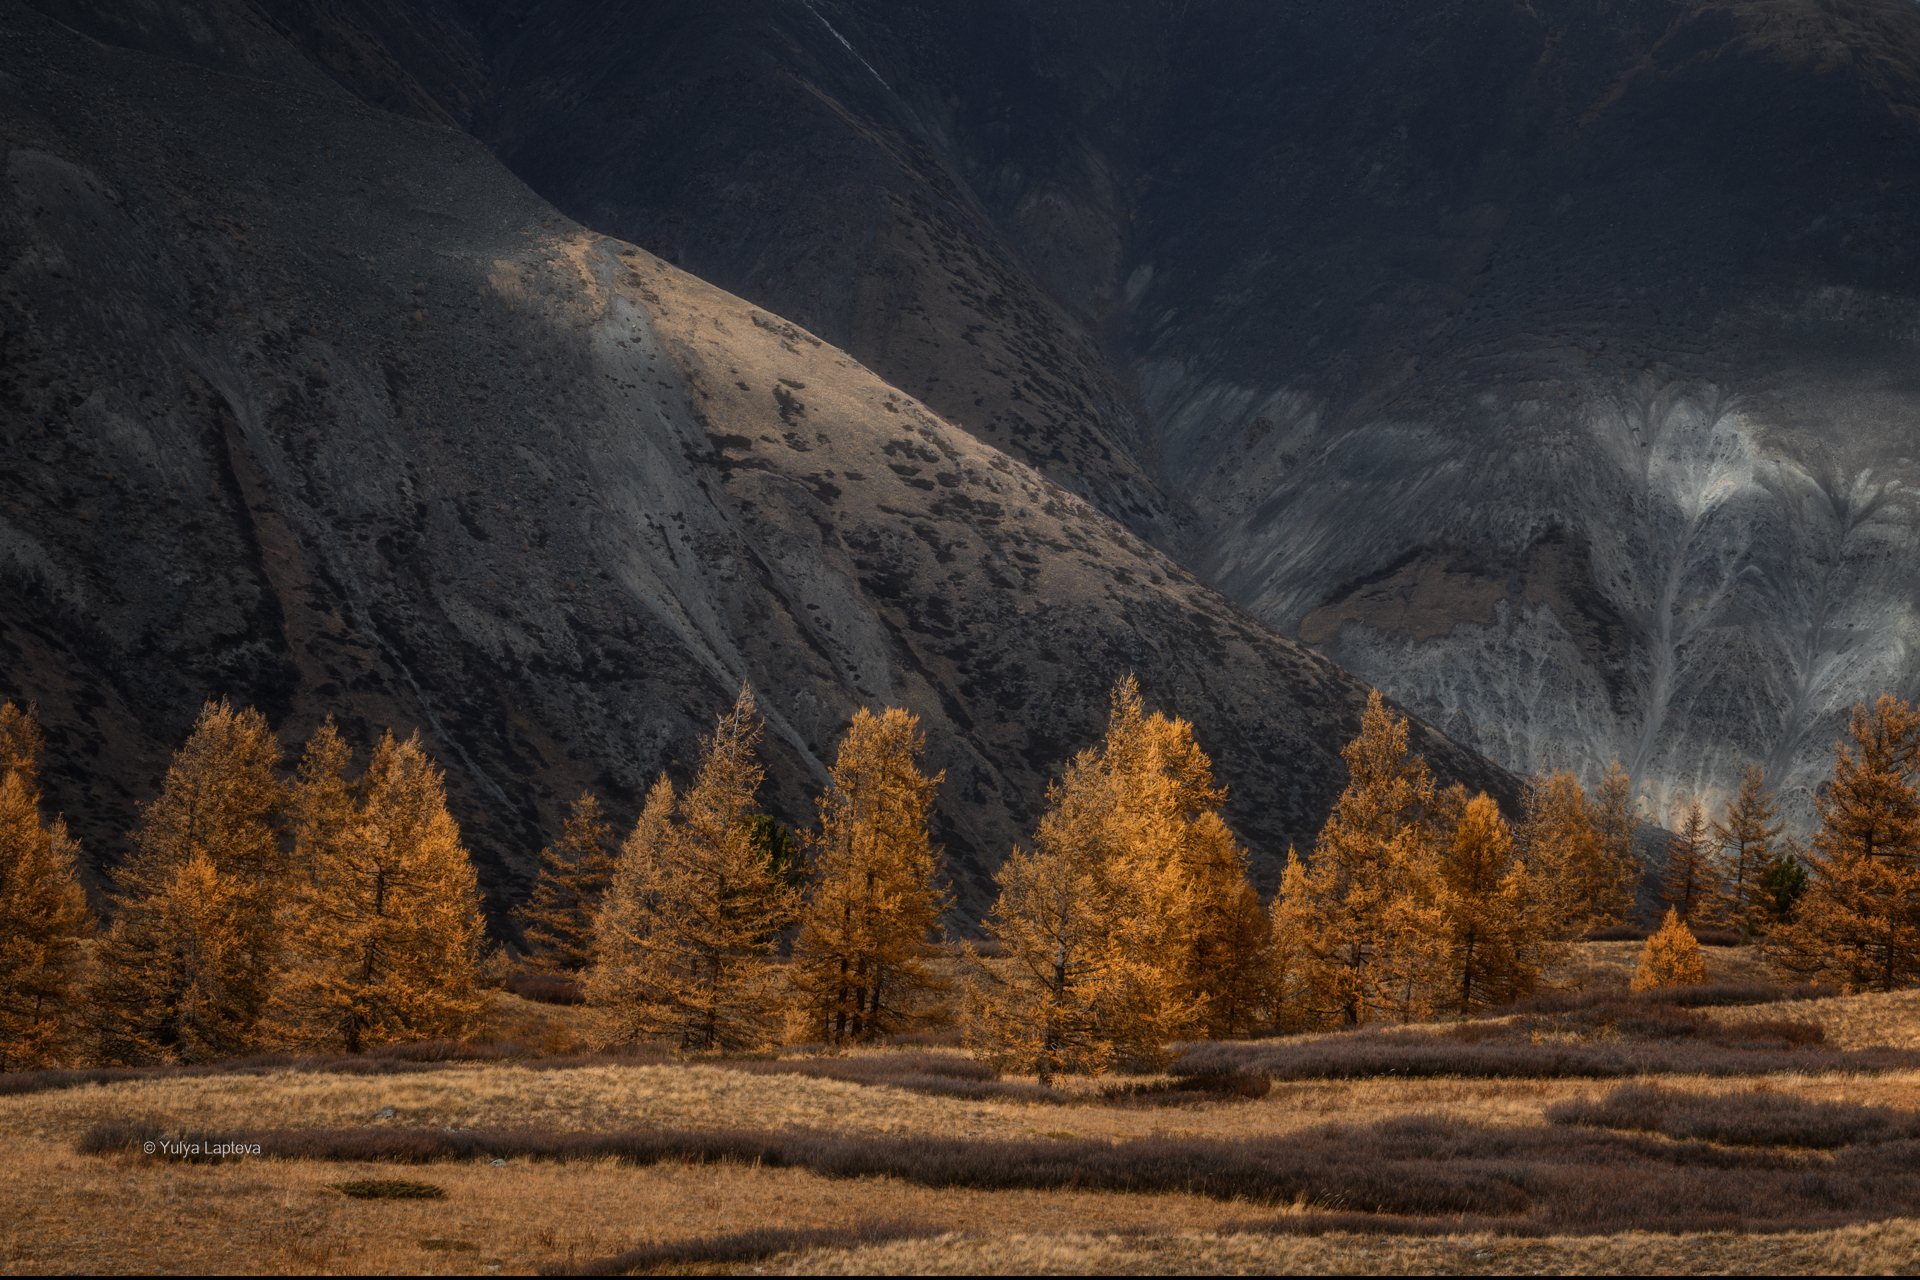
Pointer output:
x,y
324,913
342,912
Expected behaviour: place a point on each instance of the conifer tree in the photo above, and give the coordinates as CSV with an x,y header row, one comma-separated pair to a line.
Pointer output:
x,y
1573,849
1361,920
574,871
1691,884
383,927
1075,994
20,743
1671,957
1859,921
1783,883
162,994
861,962
1128,922
682,935
1746,839
1501,918
43,911
1609,896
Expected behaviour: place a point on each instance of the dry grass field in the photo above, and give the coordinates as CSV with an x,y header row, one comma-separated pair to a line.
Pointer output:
x,y
61,1211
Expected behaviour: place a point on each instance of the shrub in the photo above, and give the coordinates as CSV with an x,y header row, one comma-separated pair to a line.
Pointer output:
x,y
545,988
1364,1055
1570,1179
747,1246
1185,1090
1759,1118
1615,933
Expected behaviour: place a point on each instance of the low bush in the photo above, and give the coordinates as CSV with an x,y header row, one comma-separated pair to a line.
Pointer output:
x,y
1758,1118
1186,1090
545,988
1695,997
941,1074
1417,1055
747,1246
1716,937
1615,933
1569,1179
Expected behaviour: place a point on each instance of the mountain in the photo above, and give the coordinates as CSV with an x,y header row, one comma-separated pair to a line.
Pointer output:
x,y
1549,362
312,403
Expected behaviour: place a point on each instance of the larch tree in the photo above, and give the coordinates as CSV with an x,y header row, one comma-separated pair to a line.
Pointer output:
x,y
683,934
1859,920
43,911
1577,862
185,970
861,964
1671,957
20,742
574,872
1691,883
1071,996
1610,894
1748,841
383,926
1502,919
1121,923
1190,871
1361,920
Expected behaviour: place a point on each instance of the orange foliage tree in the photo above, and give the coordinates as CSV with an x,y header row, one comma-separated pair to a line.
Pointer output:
x,y
861,964
574,872
1859,922
43,911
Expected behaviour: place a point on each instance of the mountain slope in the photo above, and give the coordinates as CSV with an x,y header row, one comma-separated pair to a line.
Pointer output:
x,y
316,406
1550,362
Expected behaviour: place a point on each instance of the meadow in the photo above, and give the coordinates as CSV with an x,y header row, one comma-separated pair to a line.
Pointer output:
x,y
1743,1127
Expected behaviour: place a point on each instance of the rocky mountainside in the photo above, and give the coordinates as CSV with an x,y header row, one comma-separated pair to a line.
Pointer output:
x,y
1550,362
312,403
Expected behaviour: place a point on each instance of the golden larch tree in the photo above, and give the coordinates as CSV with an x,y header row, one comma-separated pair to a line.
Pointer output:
x,y
1576,860
20,742
683,935
1859,922
861,963
43,911
1361,920
1190,871
1671,957
163,993
1502,919
1691,883
1747,839
1118,924
574,872
383,926
1071,996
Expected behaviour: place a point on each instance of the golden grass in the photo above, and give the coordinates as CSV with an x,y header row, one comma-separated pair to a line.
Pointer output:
x,y
62,1212
71,1213
1851,1022
1613,963
1885,1248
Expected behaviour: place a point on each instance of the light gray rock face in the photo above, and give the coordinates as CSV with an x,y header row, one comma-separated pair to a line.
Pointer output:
x,y
1686,578
318,408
